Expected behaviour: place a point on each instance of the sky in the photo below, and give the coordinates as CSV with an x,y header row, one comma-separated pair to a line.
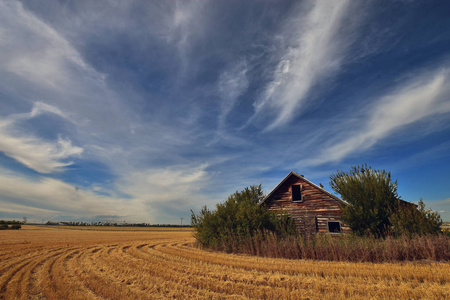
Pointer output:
x,y
140,111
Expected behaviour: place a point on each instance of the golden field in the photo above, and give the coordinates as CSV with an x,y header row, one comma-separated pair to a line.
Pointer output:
x,y
146,263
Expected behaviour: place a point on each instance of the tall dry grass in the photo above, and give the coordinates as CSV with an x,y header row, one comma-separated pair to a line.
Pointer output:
x,y
340,248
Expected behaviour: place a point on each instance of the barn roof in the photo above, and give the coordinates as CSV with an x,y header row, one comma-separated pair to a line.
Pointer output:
x,y
292,173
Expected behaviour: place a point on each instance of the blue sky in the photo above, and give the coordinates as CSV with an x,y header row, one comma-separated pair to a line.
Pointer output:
x,y
139,111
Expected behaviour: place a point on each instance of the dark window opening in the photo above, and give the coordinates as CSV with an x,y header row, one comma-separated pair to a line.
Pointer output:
x,y
334,226
296,193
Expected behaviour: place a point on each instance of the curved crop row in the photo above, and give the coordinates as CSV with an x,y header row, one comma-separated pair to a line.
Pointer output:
x,y
159,265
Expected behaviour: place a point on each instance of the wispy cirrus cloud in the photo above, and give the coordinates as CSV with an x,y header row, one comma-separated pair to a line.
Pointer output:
x,y
49,56
148,98
103,120
35,153
37,109
421,97
151,195
317,52
167,193
232,84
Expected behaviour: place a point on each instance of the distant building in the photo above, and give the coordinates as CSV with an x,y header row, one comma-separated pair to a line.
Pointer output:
x,y
313,209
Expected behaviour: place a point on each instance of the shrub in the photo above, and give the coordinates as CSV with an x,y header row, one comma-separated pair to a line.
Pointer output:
x,y
236,219
410,220
13,225
372,195
375,207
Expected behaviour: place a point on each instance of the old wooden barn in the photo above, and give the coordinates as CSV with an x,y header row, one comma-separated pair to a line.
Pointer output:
x,y
313,209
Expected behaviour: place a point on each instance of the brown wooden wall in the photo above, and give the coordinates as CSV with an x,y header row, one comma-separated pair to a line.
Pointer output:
x,y
311,215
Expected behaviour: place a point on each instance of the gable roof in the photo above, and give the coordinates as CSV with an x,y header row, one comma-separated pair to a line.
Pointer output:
x,y
292,173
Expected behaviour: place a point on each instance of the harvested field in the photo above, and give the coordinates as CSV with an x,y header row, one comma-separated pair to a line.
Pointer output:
x,y
69,263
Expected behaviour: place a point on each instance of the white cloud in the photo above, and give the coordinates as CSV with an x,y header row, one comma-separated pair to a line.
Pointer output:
x,y
316,54
153,195
38,109
37,154
150,128
159,185
167,193
52,198
35,51
38,62
14,208
41,156
424,96
232,84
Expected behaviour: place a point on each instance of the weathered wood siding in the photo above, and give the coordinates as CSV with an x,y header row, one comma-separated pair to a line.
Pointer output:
x,y
313,213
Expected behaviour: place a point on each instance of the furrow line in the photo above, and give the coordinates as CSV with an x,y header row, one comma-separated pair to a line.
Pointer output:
x,y
147,278
180,271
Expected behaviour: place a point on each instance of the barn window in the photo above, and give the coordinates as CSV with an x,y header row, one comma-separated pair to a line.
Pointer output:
x,y
297,192
334,226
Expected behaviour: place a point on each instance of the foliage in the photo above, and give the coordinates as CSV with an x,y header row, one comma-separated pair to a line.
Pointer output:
x,y
238,217
111,224
373,198
410,220
13,222
13,225
376,208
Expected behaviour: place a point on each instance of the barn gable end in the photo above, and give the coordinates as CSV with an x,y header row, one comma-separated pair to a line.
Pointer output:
x,y
314,210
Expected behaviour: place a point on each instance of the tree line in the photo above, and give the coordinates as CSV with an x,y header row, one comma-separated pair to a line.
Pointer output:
x,y
114,224
4,225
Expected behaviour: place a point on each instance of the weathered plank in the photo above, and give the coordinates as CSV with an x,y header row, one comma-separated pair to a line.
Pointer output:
x,y
313,213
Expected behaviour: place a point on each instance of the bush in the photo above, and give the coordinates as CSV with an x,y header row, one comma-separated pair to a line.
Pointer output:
x,y
410,220
372,196
375,207
236,219
13,225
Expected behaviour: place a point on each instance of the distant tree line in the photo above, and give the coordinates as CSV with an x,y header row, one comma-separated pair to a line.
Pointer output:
x,y
116,224
4,225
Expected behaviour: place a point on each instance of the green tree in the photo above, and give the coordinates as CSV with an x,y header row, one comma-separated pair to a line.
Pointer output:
x,y
373,198
239,216
410,220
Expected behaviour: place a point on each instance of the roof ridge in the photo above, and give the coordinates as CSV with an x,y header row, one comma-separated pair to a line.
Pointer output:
x,y
308,181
